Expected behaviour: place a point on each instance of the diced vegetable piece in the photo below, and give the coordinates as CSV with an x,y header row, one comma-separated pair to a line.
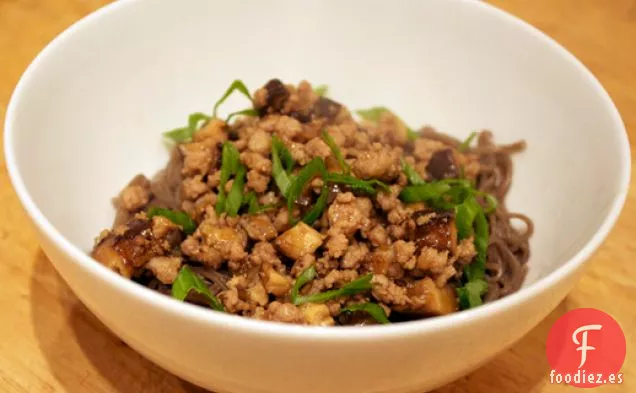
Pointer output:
x,y
276,283
317,314
439,301
301,239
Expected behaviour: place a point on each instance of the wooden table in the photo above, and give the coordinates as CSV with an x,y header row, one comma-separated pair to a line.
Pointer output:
x,y
49,342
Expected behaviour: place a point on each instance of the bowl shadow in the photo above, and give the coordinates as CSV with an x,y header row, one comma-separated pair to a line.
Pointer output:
x,y
83,355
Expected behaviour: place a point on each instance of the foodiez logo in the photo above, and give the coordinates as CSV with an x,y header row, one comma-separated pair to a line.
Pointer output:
x,y
586,348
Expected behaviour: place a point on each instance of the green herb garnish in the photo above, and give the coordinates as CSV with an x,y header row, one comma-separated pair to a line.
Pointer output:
x,y
411,174
321,90
465,214
470,294
336,152
235,197
465,145
253,207
314,168
367,186
244,112
177,217
424,192
188,281
236,85
373,309
305,276
356,286
372,114
314,213
230,162
185,134
280,156
375,113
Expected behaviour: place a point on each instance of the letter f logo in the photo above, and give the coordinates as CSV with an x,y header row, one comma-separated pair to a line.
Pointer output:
x,y
583,344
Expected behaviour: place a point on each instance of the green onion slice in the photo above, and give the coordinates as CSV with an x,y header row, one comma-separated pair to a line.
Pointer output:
x,y
315,167
230,162
185,134
177,217
280,156
361,284
305,276
373,309
336,152
465,145
237,85
188,281
235,197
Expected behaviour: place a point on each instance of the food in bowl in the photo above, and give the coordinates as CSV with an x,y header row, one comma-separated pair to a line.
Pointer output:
x,y
293,211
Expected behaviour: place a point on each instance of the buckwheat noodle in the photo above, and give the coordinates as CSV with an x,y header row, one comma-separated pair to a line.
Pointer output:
x,y
508,249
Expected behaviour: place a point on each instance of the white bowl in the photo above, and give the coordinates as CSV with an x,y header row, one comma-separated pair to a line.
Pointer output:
x,y
88,113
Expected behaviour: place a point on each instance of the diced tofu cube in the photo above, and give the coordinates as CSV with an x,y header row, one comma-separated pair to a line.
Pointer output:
x,y
299,240
276,283
439,301
317,314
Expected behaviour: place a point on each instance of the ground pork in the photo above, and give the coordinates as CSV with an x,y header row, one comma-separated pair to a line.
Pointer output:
x,y
212,244
257,181
165,268
136,195
345,215
380,162
284,312
197,158
193,187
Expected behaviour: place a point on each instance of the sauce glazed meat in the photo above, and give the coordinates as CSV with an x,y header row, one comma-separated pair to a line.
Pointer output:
x,y
293,211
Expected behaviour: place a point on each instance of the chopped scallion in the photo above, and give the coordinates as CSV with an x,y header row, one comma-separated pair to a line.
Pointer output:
x,y
321,90
305,276
180,218
245,112
235,197
336,152
361,284
465,145
314,168
185,134
237,85
188,281
373,309
230,162
280,156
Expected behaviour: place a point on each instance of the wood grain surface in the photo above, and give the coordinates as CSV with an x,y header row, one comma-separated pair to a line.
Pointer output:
x,y
49,342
